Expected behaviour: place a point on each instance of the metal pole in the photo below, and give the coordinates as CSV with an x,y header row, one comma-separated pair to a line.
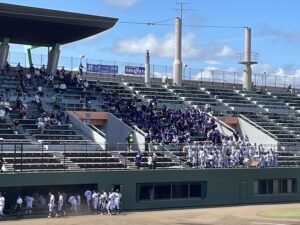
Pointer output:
x,y
106,157
294,83
42,154
65,156
201,75
21,157
85,155
15,151
233,78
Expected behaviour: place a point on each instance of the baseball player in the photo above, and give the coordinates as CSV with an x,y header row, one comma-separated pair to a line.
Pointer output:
x,y
88,196
60,204
18,206
103,201
95,200
72,200
78,198
118,200
111,202
2,204
51,204
29,202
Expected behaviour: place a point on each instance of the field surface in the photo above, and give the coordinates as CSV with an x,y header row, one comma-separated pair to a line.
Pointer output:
x,y
280,214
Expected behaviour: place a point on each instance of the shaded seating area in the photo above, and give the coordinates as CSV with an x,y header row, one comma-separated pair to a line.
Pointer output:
x,y
162,161
94,160
288,159
31,161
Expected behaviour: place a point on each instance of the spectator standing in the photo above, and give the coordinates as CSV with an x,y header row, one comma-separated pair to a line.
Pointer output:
x,y
81,69
129,140
154,160
138,160
150,162
1,165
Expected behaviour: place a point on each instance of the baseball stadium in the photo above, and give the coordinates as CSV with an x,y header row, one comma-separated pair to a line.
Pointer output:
x,y
86,139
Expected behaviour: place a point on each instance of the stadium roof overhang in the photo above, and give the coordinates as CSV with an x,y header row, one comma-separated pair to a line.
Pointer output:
x,y
44,27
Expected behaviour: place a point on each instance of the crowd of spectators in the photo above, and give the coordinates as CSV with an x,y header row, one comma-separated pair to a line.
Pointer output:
x,y
232,153
55,118
164,125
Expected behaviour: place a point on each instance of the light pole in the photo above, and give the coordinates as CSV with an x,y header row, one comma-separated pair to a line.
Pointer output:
x,y
82,56
265,74
184,66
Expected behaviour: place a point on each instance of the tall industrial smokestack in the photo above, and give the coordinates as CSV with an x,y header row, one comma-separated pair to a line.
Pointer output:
x,y
147,69
177,65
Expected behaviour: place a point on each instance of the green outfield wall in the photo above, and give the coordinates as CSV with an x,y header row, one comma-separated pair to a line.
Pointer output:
x,y
147,189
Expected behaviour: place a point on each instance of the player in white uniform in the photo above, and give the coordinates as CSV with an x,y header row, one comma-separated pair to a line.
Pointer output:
x,y
51,204
78,198
103,201
88,196
111,202
60,204
18,206
118,200
2,204
95,200
72,200
29,202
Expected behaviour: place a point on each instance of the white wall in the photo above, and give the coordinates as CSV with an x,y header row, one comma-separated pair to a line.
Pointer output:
x,y
116,132
255,135
87,130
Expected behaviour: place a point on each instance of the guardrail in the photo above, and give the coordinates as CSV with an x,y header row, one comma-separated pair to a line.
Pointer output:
x,y
261,79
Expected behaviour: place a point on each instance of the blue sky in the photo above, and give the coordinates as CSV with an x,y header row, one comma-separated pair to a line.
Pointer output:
x,y
275,32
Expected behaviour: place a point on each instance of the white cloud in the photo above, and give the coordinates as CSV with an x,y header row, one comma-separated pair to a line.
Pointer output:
x,y
205,73
123,4
226,51
164,47
211,62
290,37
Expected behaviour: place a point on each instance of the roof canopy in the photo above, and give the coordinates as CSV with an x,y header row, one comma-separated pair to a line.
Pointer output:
x,y
44,27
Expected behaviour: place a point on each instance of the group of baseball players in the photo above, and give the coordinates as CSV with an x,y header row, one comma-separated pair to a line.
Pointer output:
x,y
103,202
97,202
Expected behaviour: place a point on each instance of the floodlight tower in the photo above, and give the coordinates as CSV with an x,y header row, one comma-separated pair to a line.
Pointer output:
x,y
247,58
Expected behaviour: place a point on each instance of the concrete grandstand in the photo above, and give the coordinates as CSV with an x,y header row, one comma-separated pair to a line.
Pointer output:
x,y
64,129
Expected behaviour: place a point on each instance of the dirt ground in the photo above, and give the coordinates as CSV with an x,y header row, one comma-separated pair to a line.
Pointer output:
x,y
234,215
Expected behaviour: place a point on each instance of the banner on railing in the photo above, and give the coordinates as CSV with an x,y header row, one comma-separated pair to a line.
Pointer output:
x,y
136,70
99,68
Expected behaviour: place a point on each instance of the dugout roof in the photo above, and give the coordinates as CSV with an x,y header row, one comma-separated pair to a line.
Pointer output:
x,y
44,27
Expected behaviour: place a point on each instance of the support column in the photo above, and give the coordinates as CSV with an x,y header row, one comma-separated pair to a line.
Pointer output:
x,y
53,58
177,65
247,72
147,69
4,50
27,51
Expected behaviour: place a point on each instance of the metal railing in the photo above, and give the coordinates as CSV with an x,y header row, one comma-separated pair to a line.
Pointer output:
x,y
260,79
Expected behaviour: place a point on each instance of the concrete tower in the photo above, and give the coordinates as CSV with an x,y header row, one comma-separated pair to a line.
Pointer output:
x,y
177,65
147,69
247,59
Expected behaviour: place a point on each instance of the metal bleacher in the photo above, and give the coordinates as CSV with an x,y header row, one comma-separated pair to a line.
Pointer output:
x,y
164,96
